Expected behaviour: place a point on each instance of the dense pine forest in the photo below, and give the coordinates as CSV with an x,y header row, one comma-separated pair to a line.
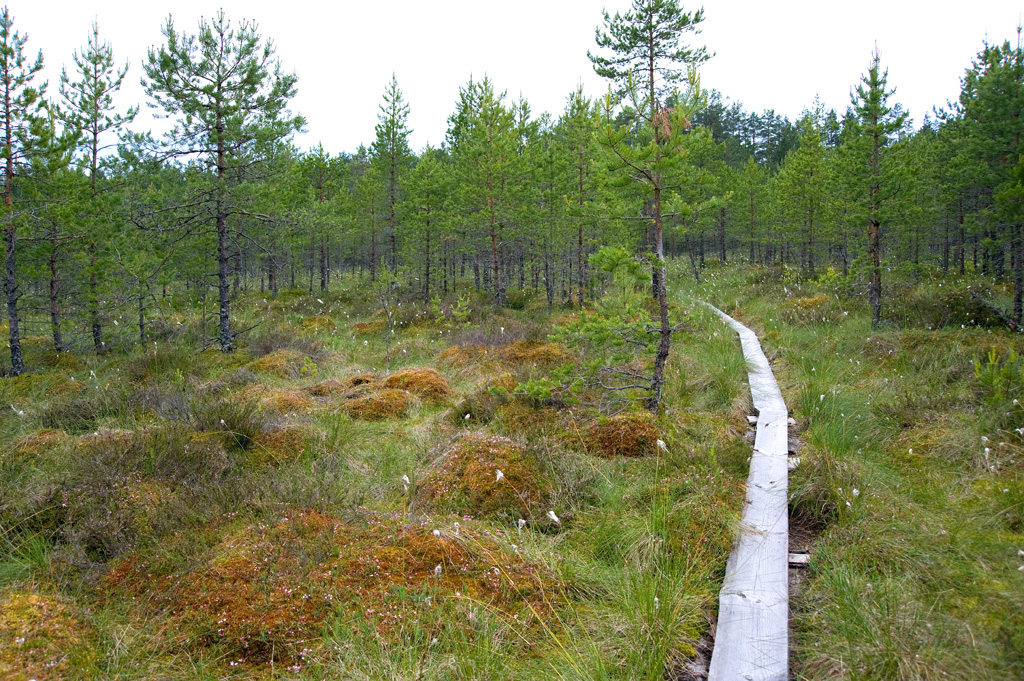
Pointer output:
x,y
456,413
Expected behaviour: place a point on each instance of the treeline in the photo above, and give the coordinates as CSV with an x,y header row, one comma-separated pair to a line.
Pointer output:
x,y
97,230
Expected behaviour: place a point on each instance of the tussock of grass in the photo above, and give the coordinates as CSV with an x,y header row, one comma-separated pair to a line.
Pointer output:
x,y
423,382
628,434
265,591
464,479
375,405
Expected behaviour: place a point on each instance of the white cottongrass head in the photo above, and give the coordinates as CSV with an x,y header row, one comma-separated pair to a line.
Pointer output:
x,y
437,570
856,492
499,476
521,523
554,518
405,479
662,446
437,533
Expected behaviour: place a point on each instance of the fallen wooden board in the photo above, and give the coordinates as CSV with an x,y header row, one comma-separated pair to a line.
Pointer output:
x,y
752,638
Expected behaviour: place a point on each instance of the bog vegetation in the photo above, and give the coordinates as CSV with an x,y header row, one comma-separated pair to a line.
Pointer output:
x,y
455,413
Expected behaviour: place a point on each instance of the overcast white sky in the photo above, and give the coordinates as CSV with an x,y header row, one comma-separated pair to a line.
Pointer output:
x,y
768,55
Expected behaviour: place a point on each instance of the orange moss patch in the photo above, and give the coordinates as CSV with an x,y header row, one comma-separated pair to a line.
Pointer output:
x,y
465,479
331,386
278,444
283,363
319,323
524,418
367,327
286,401
41,638
629,434
425,383
381,404
37,443
61,387
264,591
810,302
506,382
540,354
106,440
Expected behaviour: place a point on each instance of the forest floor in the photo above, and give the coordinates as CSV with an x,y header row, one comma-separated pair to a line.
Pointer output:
x,y
293,511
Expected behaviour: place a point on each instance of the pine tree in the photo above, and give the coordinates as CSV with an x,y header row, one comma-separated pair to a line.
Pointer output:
x,y
89,110
803,184
992,105
390,153
875,147
23,128
647,44
230,97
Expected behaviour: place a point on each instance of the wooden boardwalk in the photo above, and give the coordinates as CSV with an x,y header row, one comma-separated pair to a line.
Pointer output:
x,y
752,638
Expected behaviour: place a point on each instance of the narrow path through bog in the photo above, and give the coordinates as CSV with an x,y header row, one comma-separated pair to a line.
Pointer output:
x,y
752,637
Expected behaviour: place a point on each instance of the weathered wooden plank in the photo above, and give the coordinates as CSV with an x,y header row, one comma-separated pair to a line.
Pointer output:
x,y
752,638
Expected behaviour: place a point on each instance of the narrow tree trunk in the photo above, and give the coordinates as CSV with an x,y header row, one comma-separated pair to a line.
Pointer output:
x,y
1018,273
142,315
875,282
752,254
323,265
661,358
721,235
426,265
94,304
945,244
58,339
11,286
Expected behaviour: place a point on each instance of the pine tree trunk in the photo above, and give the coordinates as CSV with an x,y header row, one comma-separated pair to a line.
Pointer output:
x,y
94,303
1018,273
721,235
875,281
426,265
11,292
661,358
142,315
58,339
323,265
